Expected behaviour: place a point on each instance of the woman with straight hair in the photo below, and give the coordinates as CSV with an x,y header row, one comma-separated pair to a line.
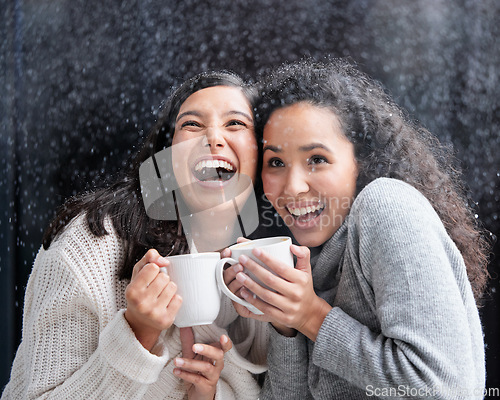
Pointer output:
x,y
99,311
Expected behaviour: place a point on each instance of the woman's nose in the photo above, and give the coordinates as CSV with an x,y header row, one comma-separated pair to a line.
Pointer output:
x,y
215,138
296,182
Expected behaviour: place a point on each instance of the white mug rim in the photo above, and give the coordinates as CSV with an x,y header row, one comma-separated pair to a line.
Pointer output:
x,y
252,244
208,255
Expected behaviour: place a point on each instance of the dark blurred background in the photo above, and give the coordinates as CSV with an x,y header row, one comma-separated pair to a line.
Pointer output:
x,y
82,80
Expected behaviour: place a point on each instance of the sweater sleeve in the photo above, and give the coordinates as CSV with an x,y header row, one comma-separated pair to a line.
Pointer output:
x,y
429,339
288,365
67,351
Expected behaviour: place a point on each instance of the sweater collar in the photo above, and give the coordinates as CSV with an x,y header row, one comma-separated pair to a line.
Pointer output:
x,y
325,266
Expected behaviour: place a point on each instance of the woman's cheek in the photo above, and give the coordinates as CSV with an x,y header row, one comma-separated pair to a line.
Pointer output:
x,y
270,184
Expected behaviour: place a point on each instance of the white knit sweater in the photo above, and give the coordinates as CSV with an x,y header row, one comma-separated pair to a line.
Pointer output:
x,y
76,343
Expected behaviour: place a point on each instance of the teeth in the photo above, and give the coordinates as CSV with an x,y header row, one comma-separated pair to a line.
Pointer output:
x,y
213,164
304,210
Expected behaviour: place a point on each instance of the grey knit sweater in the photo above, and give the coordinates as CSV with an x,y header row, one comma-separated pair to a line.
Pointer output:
x,y
404,323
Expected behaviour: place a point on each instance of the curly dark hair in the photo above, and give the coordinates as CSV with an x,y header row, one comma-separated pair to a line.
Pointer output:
x,y
122,200
387,143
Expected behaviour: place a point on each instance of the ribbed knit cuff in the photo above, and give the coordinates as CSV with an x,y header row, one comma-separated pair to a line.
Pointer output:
x,y
288,367
287,349
334,342
124,352
289,356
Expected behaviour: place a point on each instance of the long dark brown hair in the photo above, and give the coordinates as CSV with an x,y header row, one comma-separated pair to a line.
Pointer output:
x,y
122,200
387,142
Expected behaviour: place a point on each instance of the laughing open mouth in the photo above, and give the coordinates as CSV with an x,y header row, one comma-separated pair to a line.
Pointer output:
x,y
208,170
305,213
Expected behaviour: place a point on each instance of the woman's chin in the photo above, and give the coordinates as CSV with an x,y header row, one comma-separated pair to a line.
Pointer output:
x,y
311,236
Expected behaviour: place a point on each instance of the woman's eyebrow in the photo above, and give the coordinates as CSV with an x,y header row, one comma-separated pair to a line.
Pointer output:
x,y
307,147
199,114
312,146
236,112
276,149
195,113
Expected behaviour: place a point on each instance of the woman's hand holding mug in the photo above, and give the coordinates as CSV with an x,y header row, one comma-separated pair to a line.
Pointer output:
x,y
152,302
278,247
285,295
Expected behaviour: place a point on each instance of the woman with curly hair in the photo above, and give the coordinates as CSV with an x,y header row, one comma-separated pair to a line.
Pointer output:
x,y
384,304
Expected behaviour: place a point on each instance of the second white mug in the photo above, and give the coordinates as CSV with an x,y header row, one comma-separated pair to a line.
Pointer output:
x,y
277,247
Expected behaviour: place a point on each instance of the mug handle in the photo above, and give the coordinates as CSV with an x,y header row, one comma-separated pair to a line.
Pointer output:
x,y
219,271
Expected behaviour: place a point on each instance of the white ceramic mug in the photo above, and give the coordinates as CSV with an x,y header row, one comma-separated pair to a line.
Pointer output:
x,y
277,247
194,275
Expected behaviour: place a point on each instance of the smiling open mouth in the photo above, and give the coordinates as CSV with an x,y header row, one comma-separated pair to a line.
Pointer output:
x,y
210,170
307,213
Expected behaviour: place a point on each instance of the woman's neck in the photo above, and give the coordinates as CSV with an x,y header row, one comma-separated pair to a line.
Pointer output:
x,y
209,233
